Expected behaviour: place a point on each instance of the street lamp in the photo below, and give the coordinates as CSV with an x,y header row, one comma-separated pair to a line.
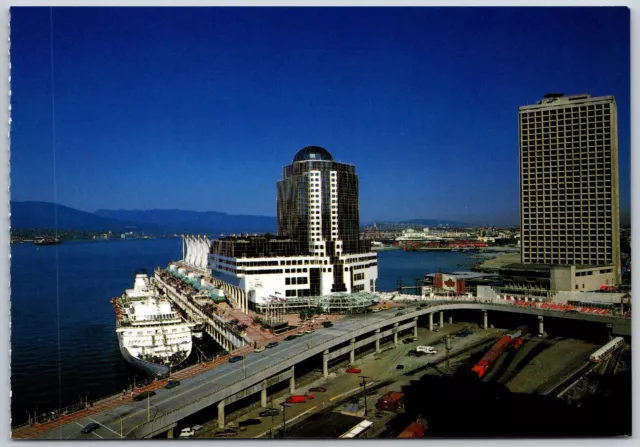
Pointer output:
x,y
116,414
364,391
284,405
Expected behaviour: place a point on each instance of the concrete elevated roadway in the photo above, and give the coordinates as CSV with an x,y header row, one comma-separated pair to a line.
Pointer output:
x,y
257,371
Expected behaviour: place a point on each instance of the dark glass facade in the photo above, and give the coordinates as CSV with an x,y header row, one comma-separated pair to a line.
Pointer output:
x,y
337,202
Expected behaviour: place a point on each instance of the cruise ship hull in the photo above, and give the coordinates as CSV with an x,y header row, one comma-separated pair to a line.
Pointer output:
x,y
150,368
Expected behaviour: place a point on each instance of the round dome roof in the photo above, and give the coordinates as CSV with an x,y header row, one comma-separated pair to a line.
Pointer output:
x,y
313,153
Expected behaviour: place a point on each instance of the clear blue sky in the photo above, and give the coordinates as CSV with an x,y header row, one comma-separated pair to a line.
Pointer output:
x,y
200,108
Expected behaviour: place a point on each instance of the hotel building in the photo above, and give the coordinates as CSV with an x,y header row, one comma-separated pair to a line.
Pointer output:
x,y
318,250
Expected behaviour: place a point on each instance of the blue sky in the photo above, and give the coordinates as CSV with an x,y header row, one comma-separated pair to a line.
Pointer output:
x,y
200,108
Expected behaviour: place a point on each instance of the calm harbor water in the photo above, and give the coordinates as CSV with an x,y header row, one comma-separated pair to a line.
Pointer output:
x,y
63,344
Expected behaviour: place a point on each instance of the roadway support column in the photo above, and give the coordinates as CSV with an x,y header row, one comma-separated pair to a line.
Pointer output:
x,y
395,333
263,394
170,433
221,414
486,319
540,325
352,354
441,319
431,322
450,319
415,328
325,363
378,340
292,380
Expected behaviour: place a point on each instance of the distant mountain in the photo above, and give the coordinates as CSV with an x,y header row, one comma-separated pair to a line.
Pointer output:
x,y
211,222
42,215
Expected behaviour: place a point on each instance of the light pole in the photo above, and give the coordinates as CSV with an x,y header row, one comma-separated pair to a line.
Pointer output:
x,y
364,391
244,369
284,405
115,414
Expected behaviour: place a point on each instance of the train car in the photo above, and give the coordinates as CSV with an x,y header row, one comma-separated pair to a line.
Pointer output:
x,y
607,349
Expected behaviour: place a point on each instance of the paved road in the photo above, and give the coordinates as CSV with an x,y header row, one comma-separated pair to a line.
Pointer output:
x,y
130,415
125,418
341,385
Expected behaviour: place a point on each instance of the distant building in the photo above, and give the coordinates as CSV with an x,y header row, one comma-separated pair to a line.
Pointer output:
x,y
318,249
569,183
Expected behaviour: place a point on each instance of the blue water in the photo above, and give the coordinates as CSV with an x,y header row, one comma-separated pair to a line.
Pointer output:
x,y
62,325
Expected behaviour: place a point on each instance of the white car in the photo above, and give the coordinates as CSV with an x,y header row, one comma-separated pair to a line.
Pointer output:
x,y
187,433
260,349
427,350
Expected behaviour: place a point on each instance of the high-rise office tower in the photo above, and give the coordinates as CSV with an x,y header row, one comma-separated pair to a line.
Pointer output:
x,y
569,181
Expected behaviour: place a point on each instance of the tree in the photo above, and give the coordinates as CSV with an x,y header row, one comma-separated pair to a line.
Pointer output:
x,y
303,314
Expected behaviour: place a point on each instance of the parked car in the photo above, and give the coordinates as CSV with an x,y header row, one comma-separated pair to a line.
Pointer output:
x,y
376,310
172,384
310,331
235,358
248,422
318,389
290,337
187,433
399,313
273,344
379,414
269,412
422,306
300,334
406,341
327,324
197,428
89,428
226,433
384,308
353,370
464,333
416,354
401,308
260,349
144,395
436,330
400,367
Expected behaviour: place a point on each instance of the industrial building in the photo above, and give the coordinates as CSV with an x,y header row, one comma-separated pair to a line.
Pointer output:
x,y
318,250
569,183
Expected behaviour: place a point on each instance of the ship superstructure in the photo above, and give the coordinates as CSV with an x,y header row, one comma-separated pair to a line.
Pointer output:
x,y
152,335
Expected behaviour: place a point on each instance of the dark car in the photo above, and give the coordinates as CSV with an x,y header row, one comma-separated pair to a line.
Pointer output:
x,y
89,428
400,367
464,333
172,384
269,412
290,337
235,359
401,308
379,414
144,395
318,389
415,354
226,433
422,306
399,313
327,324
273,344
406,341
248,422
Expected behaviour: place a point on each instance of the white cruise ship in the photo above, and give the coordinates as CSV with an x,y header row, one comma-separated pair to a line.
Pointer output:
x,y
152,335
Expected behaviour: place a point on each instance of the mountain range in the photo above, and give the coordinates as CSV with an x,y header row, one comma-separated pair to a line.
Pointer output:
x,y
46,215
